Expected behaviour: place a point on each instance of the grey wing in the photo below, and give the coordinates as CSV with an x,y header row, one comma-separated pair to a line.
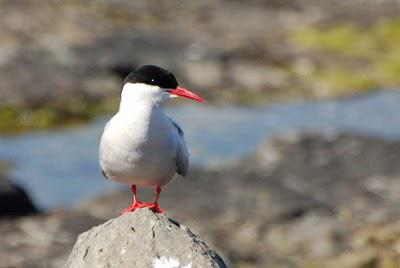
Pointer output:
x,y
182,154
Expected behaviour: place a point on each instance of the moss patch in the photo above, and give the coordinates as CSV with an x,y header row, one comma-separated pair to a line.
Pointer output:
x,y
352,58
52,114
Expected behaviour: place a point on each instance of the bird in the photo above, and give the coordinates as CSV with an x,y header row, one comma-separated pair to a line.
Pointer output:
x,y
141,145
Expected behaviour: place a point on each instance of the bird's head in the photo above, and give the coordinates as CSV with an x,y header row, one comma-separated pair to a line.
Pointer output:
x,y
154,84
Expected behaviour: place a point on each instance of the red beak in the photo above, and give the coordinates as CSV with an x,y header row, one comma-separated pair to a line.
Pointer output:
x,y
183,92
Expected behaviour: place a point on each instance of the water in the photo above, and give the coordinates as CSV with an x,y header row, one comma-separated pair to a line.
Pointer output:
x,y
59,168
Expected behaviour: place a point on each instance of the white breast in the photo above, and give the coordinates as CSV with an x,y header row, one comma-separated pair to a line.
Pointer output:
x,y
139,147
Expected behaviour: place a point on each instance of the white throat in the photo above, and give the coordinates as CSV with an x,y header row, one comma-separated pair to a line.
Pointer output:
x,y
135,95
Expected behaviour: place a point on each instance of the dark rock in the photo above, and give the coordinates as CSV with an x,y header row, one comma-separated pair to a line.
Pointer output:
x,y
141,239
14,201
339,170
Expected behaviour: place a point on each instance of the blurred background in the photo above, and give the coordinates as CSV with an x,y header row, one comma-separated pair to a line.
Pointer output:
x,y
295,157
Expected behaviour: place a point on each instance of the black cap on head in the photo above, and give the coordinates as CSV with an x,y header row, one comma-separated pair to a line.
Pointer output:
x,y
152,75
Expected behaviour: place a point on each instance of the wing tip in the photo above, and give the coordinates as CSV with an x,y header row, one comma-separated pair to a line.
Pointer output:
x,y
104,174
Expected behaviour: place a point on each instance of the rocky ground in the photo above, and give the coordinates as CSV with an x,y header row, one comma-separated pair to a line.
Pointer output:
x,y
64,60
299,201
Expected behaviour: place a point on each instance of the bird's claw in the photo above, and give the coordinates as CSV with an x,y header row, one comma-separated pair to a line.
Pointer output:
x,y
152,206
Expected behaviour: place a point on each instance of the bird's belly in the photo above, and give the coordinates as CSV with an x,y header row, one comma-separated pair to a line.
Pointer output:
x,y
144,162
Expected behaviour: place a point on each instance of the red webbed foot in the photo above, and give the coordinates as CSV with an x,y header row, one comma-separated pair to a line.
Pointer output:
x,y
137,204
153,206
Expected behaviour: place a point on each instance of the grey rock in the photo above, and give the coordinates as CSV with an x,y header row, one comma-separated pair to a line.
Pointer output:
x,y
203,73
141,239
252,76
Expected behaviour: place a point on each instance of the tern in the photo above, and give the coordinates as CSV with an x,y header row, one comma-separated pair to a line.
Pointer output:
x,y
141,145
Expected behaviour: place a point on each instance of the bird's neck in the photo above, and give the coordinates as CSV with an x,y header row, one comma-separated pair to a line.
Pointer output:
x,y
135,100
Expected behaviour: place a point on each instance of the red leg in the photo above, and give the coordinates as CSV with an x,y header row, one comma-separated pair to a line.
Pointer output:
x,y
135,204
134,193
156,207
158,191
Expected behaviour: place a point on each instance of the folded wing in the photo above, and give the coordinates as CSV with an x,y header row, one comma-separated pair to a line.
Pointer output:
x,y
182,154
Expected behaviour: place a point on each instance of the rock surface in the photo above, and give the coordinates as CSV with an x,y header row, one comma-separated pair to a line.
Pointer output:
x,y
141,239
